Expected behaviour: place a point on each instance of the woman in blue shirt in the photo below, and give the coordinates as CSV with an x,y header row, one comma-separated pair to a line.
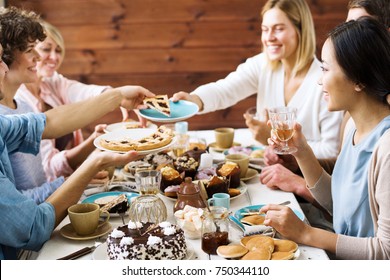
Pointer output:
x,y
355,79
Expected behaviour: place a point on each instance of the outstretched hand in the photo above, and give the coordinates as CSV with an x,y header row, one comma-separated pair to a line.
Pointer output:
x,y
182,95
133,96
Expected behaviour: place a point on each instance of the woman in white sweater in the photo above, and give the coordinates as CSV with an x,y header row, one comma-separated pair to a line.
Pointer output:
x,y
285,74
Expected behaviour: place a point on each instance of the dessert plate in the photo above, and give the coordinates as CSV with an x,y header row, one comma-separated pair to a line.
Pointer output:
x,y
180,110
100,252
251,173
96,197
239,213
127,125
134,134
67,231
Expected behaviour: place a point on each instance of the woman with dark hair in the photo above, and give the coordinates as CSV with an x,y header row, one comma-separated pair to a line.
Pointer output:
x,y
358,192
379,9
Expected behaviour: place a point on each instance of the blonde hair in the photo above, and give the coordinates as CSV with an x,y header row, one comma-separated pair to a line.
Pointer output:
x,y
53,32
298,12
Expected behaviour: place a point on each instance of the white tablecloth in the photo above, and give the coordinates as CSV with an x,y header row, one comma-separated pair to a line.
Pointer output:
x,y
59,246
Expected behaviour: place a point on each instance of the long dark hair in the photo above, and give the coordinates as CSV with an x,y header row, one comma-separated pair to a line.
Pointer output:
x,y
362,49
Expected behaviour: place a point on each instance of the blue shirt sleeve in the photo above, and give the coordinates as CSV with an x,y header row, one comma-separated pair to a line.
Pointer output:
x,y
40,193
23,133
23,223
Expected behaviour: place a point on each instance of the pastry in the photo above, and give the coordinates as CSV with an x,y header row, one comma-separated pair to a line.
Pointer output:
x,y
159,103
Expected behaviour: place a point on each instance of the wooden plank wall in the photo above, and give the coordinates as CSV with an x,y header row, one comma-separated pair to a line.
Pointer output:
x,y
166,45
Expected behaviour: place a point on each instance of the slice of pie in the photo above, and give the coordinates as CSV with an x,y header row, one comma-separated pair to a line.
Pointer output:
x,y
159,103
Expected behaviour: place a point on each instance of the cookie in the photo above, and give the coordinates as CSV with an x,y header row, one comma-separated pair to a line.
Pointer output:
x,y
253,220
259,254
282,245
231,251
260,243
234,192
282,256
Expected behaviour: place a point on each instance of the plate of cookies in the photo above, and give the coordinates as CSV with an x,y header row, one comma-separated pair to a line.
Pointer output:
x,y
260,247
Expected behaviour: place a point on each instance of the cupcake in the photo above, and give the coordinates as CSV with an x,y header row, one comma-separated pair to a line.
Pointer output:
x,y
186,164
169,177
230,170
216,184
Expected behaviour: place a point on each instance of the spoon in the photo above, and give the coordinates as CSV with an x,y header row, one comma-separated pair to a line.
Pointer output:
x,y
257,211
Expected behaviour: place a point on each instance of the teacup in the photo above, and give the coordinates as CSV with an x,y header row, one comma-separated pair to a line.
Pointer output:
x,y
242,161
224,137
84,217
220,199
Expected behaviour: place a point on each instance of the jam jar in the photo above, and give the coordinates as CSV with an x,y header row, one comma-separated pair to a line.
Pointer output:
x,y
215,229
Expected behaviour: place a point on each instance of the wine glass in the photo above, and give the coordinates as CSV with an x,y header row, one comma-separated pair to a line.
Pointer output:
x,y
282,122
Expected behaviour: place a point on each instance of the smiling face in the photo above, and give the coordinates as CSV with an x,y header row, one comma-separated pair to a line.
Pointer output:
x,y
24,67
337,88
51,57
279,37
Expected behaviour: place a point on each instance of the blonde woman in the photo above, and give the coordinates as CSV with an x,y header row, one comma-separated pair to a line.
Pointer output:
x,y
63,155
284,74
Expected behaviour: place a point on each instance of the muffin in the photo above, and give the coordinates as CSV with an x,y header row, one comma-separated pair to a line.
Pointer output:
x,y
186,164
216,185
169,177
230,170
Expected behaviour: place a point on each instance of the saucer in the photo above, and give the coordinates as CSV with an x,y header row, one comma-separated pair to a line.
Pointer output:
x,y
68,232
251,173
218,149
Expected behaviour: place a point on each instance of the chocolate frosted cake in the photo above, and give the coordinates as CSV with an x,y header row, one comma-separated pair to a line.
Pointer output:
x,y
186,164
137,241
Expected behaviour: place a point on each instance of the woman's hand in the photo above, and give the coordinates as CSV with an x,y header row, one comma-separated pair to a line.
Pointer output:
x,y
259,129
298,140
284,221
181,95
133,96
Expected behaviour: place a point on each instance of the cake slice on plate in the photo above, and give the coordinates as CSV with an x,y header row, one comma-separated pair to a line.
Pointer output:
x,y
159,103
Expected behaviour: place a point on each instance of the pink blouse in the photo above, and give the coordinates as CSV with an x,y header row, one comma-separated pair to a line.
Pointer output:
x,y
55,91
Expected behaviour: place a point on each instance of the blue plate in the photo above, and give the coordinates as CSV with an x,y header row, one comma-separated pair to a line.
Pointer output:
x,y
239,216
180,110
92,198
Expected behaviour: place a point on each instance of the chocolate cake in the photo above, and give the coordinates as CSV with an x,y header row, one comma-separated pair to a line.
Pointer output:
x,y
137,241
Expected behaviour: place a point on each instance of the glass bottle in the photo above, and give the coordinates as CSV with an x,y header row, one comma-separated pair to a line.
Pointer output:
x,y
182,138
215,229
148,207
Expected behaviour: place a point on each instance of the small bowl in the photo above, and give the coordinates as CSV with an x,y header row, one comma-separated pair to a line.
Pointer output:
x,y
190,221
